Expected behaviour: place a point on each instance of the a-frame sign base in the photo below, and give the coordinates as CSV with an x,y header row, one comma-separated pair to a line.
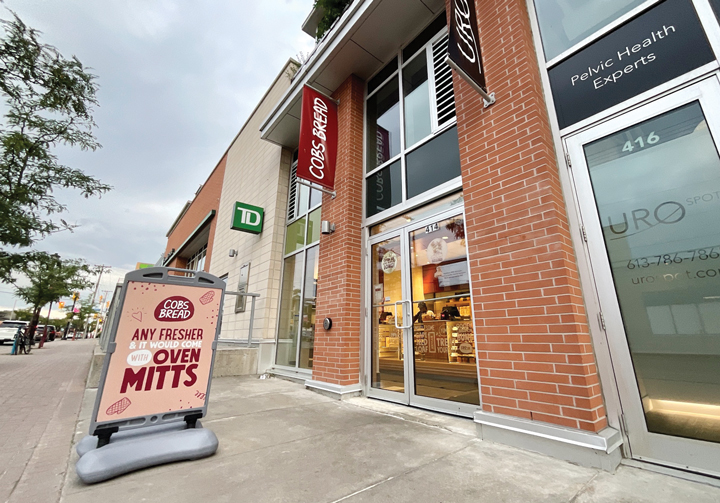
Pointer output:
x,y
132,450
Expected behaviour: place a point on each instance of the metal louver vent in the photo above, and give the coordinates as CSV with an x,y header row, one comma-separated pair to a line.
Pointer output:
x,y
444,95
292,195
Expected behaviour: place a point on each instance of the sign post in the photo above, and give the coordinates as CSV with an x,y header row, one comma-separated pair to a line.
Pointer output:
x,y
156,374
464,47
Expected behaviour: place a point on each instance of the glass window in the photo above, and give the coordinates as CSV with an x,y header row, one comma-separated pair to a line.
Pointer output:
x,y
428,109
197,261
564,23
383,125
425,210
315,198
417,100
387,340
296,330
290,311
657,189
384,189
307,337
382,75
313,229
295,237
434,163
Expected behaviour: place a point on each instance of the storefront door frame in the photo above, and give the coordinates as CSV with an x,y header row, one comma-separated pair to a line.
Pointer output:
x,y
408,397
667,450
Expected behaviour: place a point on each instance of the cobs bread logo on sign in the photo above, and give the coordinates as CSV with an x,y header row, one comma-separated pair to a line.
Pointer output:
x,y
175,308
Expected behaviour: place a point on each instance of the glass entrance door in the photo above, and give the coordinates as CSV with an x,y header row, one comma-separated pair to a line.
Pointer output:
x,y
422,349
648,183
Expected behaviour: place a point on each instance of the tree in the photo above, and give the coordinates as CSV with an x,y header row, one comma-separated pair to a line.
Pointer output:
x,y
49,101
85,308
50,279
332,9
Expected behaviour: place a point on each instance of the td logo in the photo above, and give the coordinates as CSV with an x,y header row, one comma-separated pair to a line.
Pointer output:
x,y
248,218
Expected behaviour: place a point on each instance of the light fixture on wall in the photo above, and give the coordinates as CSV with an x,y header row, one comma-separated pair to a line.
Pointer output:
x,y
327,227
232,253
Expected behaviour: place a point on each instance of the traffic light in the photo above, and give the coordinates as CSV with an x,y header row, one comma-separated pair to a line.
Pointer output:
x,y
61,304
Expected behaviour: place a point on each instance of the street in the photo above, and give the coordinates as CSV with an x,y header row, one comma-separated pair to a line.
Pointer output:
x,y
40,397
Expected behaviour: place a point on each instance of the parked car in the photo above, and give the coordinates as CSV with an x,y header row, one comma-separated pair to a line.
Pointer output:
x,y
8,329
51,332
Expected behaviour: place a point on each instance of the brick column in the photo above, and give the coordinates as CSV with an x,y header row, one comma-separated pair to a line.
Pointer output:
x,y
534,349
336,357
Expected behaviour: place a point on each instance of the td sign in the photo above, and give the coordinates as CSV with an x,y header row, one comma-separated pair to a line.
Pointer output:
x,y
248,218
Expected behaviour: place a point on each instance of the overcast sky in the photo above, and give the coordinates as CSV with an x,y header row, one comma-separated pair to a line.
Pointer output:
x,y
178,78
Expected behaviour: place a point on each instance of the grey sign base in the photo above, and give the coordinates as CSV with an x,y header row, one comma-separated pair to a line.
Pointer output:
x,y
137,449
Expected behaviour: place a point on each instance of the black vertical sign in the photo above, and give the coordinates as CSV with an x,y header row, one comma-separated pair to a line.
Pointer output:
x,y
464,46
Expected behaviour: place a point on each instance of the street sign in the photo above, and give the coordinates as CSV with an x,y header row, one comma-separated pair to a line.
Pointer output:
x,y
248,218
161,351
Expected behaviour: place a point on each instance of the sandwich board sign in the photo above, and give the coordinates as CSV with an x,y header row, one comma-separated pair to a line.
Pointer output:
x,y
160,356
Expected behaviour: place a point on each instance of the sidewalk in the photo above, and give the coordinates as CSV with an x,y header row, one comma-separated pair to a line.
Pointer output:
x,y
40,397
282,443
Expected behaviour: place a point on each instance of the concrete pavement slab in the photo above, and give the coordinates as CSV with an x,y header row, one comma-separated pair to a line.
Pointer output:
x,y
282,443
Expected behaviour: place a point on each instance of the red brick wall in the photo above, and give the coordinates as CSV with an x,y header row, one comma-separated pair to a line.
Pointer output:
x,y
336,357
534,350
207,200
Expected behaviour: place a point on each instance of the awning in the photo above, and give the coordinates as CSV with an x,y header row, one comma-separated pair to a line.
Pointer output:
x,y
368,34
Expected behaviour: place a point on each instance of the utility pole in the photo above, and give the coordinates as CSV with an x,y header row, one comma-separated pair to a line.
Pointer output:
x,y
97,285
75,297
102,310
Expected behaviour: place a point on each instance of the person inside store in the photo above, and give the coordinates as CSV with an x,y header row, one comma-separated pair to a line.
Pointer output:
x,y
422,309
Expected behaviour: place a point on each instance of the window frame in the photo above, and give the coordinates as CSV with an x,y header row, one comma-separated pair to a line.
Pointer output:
x,y
549,63
301,261
436,130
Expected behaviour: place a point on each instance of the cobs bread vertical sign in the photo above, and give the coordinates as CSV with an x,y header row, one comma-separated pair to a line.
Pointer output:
x,y
161,350
317,149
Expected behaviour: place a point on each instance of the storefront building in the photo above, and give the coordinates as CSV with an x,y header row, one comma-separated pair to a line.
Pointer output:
x,y
249,238
547,265
190,238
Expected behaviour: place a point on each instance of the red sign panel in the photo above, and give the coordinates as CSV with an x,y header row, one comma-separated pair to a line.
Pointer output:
x,y
318,139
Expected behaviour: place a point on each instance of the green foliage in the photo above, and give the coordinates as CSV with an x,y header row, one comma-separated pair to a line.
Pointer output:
x,y
48,102
50,278
27,315
332,9
85,310
23,314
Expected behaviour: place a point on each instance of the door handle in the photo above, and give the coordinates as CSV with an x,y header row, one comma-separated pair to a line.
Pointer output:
x,y
402,327
396,315
410,316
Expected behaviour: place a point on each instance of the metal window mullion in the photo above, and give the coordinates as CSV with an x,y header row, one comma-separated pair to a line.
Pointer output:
x,y
384,82
432,91
300,312
383,166
403,174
